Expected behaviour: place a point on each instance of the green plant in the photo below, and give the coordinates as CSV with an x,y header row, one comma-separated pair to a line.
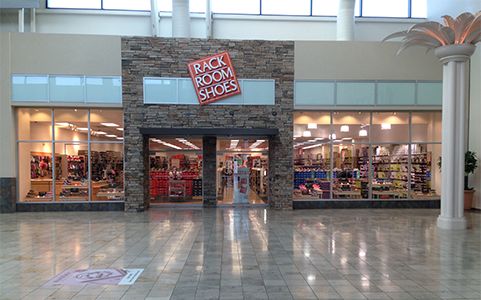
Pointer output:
x,y
470,165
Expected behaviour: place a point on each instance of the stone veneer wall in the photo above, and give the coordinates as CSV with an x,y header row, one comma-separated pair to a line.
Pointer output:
x,y
162,57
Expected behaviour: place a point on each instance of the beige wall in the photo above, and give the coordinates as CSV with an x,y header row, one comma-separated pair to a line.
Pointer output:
x,y
363,61
475,125
7,130
65,54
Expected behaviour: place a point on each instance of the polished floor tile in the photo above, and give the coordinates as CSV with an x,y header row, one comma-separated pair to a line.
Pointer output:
x,y
243,254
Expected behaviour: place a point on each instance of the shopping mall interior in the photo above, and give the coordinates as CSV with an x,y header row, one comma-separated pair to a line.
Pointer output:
x,y
241,149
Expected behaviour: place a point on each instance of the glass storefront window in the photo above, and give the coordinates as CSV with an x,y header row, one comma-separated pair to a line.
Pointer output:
x,y
106,125
426,127
390,127
34,124
63,158
71,124
312,155
371,155
390,171
71,181
35,171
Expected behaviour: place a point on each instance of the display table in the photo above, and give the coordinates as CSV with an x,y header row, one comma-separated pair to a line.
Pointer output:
x,y
347,194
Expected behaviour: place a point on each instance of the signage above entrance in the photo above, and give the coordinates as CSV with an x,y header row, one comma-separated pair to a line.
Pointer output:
x,y
214,78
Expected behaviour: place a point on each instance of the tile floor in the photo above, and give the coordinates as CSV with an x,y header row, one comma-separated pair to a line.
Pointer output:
x,y
244,254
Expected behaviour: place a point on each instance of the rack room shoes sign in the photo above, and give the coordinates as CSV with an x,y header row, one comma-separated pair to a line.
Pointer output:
x,y
214,78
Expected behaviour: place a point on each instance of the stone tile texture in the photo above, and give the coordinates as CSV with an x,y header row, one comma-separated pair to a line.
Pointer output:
x,y
166,57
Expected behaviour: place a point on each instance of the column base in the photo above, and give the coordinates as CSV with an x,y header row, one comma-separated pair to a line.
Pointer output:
x,y
452,223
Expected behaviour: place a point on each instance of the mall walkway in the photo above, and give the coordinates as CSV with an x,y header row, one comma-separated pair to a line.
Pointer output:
x,y
243,254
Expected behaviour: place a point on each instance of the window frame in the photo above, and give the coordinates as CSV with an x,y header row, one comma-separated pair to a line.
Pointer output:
x,y
359,14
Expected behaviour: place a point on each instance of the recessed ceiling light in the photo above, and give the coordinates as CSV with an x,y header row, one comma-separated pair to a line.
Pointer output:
x,y
120,129
110,124
100,132
306,133
120,138
111,135
385,126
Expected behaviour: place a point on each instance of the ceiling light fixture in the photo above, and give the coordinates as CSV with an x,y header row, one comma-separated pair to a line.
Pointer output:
x,y
120,138
110,124
82,129
312,146
256,144
111,135
306,133
63,124
120,129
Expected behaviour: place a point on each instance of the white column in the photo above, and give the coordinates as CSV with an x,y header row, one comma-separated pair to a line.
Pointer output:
x,y
33,20
455,59
208,19
21,20
154,17
180,18
345,20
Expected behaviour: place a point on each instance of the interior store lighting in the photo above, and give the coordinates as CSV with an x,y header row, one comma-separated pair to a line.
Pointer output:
x,y
306,133
386,126
187,143
312,146
111,135
233,144
120,129
110,124
63,124
312,126
345,128
82,129
120,138
100,132
166,144
363,132
332,136
256,144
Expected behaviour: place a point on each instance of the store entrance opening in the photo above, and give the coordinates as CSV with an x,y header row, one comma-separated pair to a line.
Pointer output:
x,y
175,170
242,168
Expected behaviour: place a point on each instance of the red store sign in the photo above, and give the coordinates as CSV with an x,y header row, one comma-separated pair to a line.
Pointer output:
x,y
214,78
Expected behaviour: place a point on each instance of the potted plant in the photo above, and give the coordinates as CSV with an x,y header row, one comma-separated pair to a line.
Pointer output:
x,y
470,165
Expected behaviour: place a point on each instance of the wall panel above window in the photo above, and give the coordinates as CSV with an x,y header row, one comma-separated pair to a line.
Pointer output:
x,y
396,93
166,90
317,94
67,89
30,88
355,93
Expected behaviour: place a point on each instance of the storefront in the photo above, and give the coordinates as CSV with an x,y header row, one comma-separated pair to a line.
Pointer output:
x,y
308,129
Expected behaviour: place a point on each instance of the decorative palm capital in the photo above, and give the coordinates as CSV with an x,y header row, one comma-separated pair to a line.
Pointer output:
x,y
464,30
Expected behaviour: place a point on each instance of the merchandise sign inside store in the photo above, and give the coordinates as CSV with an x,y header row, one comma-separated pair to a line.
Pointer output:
x,y
214,78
